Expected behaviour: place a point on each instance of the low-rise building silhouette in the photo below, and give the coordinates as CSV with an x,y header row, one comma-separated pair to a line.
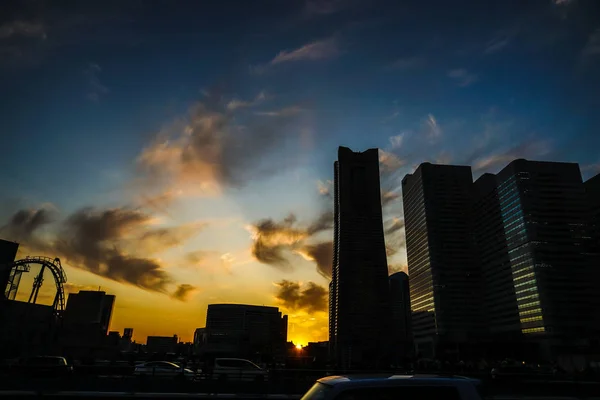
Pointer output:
x,y
161,344
401,333
244,331
86,321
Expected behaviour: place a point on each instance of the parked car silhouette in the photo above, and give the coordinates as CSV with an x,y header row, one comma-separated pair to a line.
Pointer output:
x,y
163,369
238,369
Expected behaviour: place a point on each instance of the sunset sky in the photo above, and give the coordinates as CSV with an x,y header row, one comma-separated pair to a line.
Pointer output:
x,y
179,153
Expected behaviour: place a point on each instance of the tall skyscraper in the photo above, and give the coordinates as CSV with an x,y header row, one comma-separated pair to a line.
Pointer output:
x,y
360,300
533,238
401,340
444,279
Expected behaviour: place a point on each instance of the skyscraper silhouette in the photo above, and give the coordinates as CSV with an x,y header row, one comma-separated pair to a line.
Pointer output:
x,y
444,285
535,254
360,310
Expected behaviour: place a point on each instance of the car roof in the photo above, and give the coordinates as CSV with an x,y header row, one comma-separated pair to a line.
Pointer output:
x,y
392,380
233,359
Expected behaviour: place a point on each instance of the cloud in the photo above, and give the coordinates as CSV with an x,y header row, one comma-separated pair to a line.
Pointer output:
x,y
393,268
322,223
283,112
208,151
75,288
22,226
23,29
592,47
104,242
526,149
389,162
160,239
275,241
325,188
321,254
317,50
95,88
235,104
462,77
184,291
91,240
396,141
388,196
495,45
432,130
563,2
271,240
293,296
396,225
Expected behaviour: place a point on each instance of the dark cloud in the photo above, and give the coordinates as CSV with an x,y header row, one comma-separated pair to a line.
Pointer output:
x,y
24,223
310,297
92,239
322,254
157,240
322,223
274,241
184,291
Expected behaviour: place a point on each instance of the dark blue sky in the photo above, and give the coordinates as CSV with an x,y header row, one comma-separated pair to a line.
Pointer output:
x,y
221,108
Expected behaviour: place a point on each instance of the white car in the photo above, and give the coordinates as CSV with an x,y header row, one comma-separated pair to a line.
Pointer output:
x,y
386,387
162,369
238,369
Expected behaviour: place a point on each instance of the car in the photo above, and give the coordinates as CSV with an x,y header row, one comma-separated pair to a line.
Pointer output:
x,y
163,369
388,387
44,366
238,369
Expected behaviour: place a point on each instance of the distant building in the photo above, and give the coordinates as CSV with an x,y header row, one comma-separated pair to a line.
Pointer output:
x,y
401,335
161,344
359,302
128,334
444,276
8,252
533,235
86,320
592,188
243,330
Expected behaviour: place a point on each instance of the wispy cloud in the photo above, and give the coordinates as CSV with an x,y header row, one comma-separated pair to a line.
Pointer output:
x,y
462,77
22,28
317,50
432,129
234,104
95,88
283,112
209,150
526,149
389,162
397,140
